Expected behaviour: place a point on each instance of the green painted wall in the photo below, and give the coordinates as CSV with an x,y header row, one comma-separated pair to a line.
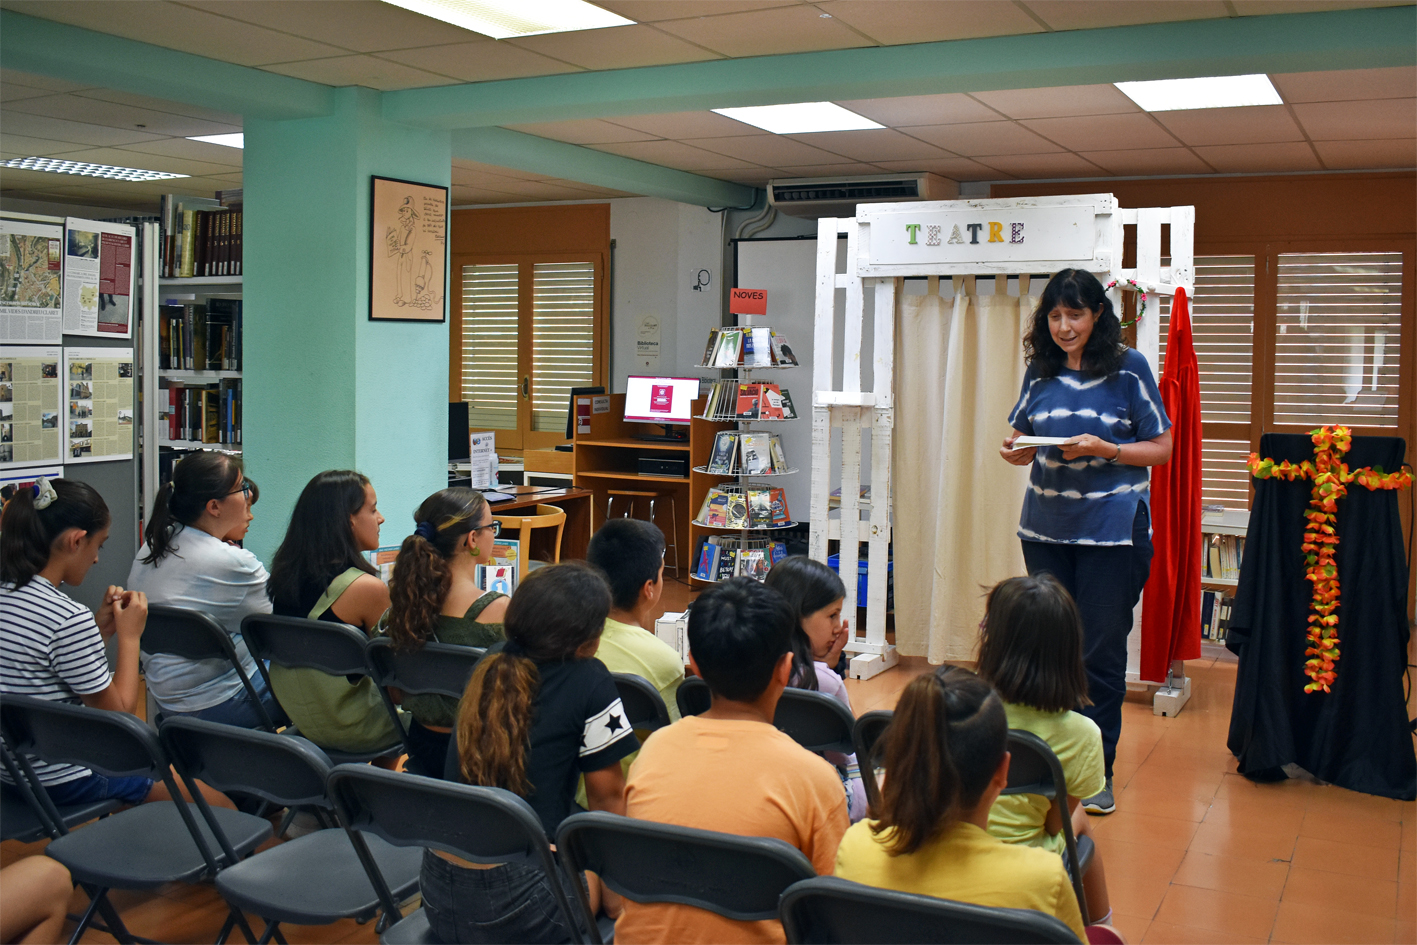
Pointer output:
x,y
325,388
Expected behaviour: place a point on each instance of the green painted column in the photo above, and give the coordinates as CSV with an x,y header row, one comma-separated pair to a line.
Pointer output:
x,y
324,387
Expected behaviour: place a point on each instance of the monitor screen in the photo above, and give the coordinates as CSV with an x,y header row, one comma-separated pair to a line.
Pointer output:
x,y
660,399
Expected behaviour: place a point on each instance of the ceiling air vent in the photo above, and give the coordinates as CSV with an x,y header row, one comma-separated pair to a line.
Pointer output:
x,y
838,196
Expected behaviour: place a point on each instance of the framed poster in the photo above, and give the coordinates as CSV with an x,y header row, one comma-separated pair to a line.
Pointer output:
x,y
408,251
31,405
98,278
31,278
98,383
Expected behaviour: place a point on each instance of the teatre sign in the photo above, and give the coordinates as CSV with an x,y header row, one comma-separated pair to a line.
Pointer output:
x,y
970,235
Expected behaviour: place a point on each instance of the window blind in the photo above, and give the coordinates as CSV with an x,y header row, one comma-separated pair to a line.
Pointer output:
x,y
563,338
1337,349
489,345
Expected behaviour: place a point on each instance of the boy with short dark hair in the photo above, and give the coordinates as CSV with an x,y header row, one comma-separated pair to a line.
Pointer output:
x,y
729,769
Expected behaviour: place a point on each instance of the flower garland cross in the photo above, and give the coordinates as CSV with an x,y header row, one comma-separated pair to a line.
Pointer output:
x,y
1330,476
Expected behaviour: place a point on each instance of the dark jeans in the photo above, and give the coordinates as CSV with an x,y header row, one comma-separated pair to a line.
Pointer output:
x,y
1106,582
238,710
512,903
427,749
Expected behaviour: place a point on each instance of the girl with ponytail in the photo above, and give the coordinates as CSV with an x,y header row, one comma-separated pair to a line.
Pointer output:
x,y
433,597
946,762
537,714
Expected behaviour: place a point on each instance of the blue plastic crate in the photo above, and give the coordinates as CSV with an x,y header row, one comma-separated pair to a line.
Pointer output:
x,y
834,561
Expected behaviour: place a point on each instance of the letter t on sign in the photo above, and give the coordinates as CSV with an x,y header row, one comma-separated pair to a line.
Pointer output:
x,y
913,229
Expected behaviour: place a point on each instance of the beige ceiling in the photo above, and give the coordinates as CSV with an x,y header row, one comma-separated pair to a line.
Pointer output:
x,y
1361,119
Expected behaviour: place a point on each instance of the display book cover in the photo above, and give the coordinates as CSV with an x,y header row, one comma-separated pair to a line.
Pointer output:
x,y
754,400
725,444
718,556
757,507
747,347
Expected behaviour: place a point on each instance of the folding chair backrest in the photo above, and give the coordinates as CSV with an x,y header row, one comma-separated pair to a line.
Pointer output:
x,y
866,737
195,635
643,704
433,668
826,910
115,744
286,770
1034,769
816,721
295,642
693,697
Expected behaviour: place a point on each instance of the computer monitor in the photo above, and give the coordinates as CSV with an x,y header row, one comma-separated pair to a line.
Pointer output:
x,y
459,442
571,411
660,399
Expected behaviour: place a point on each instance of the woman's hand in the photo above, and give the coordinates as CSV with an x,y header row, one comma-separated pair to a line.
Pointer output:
x,y
1088,445
1019,457
104,616
130,614
838,643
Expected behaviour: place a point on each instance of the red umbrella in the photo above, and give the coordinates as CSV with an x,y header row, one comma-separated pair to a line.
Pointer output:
x,y
1171,623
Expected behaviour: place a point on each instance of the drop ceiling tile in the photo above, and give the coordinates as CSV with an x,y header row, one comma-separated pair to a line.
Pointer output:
x,y
975,139
767,32
894,22
883,144
1260,158
676,154
1103,132
768,150
828,170
477,196
953,168
370,72
356,25
1033,166
1095,14
163,105
1336,121
35,81
1349,85
57,129
181,27
94,112
120,157
481,61
492,170
10,92
583,131
619,47
1256,124
948,109
25,146
1059,102
182,149
546,190
1349,155
652,11
681,125
1148,161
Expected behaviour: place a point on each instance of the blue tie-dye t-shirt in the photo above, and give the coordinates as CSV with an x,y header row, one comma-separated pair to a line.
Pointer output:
x,y
1089,501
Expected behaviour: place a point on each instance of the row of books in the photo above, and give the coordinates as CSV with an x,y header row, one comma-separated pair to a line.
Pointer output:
x,y
1223,557
721,557
745,507
205,414
736,400
747,347
747,454
200,237
1215,615
196,337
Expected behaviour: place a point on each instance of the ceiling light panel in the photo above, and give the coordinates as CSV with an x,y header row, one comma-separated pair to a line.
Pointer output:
x,y
503,19
106,171
1224,91
237,140
800,118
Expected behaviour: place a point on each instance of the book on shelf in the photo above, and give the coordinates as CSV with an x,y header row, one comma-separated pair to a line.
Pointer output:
x,y
779,456
756,454
200,337
755,507
710,348
201,236
781,352
754,563
779,515
715,509
759,507
725,445
730,344
746,407
727,563
707,569
1223,557
757,347
751,400
748,348
209,414
1215,615
720,555
789,412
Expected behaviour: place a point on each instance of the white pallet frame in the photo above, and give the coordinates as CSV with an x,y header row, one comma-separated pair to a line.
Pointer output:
x,y
853,410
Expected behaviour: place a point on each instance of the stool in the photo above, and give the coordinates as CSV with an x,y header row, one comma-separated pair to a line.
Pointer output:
x,y
653,497
545,516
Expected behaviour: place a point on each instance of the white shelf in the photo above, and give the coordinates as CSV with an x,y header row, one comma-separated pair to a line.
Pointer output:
x,y
198,445
751,528
1219,582
746,367
173,374
735,419
199,281
739,473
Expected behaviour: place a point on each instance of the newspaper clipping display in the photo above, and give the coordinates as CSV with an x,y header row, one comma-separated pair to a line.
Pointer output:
x,y
31,405
25,478
98,278
31,255
99,392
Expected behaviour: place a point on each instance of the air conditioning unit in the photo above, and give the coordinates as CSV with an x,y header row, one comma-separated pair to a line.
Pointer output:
x,y
838,196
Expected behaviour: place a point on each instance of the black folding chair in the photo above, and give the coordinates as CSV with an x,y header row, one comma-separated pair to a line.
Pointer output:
x,y
336,649
144,847
736,877
693,697
27,813
195,635
316,879
480,824
827,911
816,721
1034,769
866,737
441,669
643,704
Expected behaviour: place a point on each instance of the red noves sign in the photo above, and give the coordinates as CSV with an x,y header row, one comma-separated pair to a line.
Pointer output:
x,y
747,301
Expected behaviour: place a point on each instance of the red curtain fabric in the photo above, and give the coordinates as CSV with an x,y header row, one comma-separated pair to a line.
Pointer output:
x,y
1171,622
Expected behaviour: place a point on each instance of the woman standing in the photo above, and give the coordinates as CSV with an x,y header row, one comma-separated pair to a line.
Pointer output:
x,y
1085,517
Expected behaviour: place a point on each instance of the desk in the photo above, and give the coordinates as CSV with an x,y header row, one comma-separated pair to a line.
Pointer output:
x,y
576,537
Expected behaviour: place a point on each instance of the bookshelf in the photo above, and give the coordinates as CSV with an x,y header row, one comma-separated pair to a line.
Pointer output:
x,y
1222,543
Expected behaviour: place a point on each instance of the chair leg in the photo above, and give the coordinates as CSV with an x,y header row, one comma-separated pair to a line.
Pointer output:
x,y
674,527
99,904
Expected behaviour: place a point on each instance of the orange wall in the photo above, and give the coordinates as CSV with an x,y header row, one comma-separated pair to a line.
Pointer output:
x,y
497,231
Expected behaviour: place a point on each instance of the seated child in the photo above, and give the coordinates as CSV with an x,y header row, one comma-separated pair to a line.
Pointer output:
x,y
816,594
1030,651
946,762
729,769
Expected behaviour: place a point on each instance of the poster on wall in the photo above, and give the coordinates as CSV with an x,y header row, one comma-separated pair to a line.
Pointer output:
x,y
98,396
31,405
12,479
31,282
408,251
98,278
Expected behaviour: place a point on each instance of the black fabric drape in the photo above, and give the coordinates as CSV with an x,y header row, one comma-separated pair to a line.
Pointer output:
x,y
1358,735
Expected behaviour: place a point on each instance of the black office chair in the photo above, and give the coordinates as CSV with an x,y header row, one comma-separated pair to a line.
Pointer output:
x,y
480,824
693,697
144,847
866,737
195,635
1034,769
27,813
336,649
441,669
816,721
736,877
644,706
316,879
827,911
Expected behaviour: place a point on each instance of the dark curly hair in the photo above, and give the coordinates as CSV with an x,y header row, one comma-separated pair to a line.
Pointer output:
x,y
1075,289
421,577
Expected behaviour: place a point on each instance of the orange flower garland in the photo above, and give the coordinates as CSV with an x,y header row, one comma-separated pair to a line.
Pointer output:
x,y
1331,477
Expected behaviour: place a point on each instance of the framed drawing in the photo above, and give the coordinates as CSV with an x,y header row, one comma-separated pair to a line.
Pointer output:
x,y
408,251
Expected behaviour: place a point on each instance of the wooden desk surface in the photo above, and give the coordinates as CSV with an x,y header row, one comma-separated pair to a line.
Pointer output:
x,y
548,497
576,537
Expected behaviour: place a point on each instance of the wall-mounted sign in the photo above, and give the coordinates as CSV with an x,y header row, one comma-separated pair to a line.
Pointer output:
x,y
747,302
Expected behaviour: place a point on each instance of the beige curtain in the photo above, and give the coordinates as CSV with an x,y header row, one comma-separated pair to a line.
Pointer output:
x,y
959,366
